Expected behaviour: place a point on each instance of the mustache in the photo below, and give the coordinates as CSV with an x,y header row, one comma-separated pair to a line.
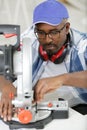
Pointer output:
x,y
49,45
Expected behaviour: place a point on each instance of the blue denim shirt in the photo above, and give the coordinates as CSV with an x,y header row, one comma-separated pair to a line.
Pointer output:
x,y
76,59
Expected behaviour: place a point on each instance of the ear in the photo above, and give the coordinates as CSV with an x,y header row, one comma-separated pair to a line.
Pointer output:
x,y
67,27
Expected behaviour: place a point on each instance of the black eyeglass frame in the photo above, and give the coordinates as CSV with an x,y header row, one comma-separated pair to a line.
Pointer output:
x,y
51,34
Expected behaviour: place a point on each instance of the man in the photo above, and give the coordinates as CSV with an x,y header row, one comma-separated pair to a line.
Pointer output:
x,y
59,56
60,47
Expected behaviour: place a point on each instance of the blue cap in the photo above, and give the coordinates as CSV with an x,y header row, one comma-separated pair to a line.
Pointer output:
x,y
51,12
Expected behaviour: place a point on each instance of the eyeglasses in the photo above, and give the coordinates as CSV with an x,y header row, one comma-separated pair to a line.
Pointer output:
x,y
52,34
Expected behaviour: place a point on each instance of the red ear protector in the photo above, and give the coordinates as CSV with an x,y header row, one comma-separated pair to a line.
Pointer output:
x,y
56,58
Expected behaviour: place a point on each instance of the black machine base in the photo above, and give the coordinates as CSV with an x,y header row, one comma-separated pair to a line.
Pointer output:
x,y
41,123
81,108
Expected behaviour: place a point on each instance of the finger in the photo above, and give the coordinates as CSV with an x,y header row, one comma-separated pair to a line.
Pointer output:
x,y
41,83
5,111
44,91
41,94
38,87
1,109
38,96
9,117
38,90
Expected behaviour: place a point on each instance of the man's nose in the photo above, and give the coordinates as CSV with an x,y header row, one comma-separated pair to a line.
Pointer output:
x,y
48,39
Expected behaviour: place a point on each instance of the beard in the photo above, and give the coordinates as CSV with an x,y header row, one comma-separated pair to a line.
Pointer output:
x,y
51,48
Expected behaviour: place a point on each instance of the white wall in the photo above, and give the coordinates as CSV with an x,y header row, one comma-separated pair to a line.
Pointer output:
x,y
20,12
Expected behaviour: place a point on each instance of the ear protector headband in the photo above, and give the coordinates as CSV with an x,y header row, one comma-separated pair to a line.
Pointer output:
x,y
56,58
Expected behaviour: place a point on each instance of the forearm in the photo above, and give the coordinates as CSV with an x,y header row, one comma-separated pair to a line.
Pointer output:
x,y
77,79
46,85
6,85
3,82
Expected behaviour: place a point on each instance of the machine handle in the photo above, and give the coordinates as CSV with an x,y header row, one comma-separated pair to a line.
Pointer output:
x,y
9,31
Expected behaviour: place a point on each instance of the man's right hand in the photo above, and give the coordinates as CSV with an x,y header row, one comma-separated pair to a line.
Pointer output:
x,y
6,88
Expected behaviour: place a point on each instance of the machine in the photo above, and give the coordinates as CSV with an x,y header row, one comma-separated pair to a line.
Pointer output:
x,y
16,65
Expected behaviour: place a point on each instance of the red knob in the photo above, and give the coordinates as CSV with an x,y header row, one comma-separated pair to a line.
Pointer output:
x,y
50,104
25,116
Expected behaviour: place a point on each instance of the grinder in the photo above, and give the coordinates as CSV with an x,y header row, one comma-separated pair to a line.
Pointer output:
x,y
16,66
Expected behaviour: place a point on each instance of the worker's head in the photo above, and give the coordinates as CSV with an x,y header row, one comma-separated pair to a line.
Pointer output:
x,y
51,28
